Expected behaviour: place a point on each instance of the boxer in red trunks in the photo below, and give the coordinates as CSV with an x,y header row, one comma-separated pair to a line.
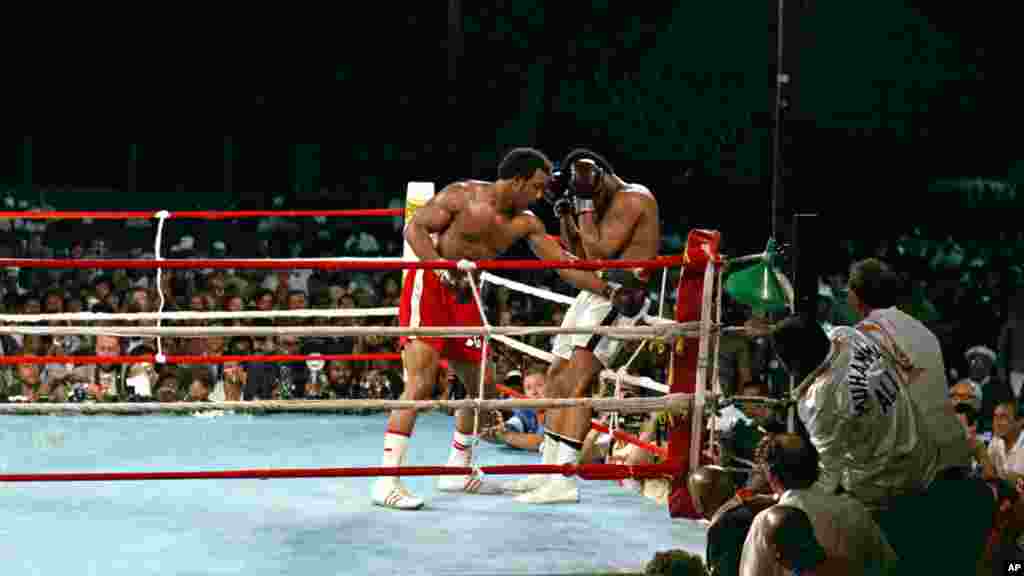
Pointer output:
x,y
469,220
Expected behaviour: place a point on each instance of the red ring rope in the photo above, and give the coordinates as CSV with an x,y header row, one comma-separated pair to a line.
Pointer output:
x,y
594,425
584,471
151,359
196,214
299,263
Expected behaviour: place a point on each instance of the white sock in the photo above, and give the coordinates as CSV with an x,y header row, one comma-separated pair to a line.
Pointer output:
x,y
462,449
395,446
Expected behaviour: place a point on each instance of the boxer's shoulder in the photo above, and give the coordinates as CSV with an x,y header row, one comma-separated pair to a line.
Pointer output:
x,y
526,223
640,189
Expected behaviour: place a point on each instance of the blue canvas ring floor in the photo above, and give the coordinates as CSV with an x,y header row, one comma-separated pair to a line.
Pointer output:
x,y
302,526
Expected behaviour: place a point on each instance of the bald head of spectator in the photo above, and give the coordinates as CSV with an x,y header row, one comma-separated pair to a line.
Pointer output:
x,y
791,534
710,487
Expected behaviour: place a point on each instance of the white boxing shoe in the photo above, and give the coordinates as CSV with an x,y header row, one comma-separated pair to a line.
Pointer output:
x,y
471,484
390,493
557,490
527,484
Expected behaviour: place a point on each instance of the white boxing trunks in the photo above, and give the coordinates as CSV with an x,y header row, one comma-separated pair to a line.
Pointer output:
x,y
591,309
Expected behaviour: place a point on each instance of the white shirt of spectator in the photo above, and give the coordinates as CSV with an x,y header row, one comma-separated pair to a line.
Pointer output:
x,y
140,383
297,280
1007,461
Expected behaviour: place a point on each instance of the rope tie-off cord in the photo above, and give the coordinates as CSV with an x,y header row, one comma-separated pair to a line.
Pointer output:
x,y
468,267
162,217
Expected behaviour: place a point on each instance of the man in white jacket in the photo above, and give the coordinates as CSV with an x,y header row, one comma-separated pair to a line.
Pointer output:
x,y
959,509
874,292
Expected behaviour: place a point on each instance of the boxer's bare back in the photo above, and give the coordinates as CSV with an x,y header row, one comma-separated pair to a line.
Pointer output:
x,y
471,222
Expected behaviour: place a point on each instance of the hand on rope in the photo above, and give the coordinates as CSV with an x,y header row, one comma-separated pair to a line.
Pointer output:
x,y
458,281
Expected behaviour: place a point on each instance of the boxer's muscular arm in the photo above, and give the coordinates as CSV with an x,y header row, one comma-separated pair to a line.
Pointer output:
x,y
433,218
570,234
602,240
546,248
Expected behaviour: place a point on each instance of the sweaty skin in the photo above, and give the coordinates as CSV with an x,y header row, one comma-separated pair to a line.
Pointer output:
x,y
474,220
624,226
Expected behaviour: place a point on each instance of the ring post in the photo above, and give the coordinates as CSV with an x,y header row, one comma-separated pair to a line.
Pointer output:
x,y
701,249
416,195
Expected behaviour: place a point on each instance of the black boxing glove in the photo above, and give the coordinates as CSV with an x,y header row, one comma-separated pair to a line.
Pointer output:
x,y
556,193
627,301
585,177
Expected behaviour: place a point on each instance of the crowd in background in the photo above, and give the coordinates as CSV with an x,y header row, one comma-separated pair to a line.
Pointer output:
x,y
966,293
961,291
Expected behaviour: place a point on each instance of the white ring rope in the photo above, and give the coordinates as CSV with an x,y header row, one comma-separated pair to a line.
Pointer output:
x,y
191,315
617,332
526,348
703,353
610,375
526,288
661,299
631,380
716,385
673,402
613,420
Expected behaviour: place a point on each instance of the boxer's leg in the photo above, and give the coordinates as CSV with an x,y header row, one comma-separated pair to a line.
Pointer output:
x,y
553,388
422,304
574,423
463,439
421,363
466,356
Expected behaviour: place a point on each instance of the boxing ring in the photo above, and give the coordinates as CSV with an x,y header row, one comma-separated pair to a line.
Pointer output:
x,y
104,490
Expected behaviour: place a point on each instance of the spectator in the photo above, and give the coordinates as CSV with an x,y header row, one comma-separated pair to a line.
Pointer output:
x,y
966,392
1007,448
730,514
627,454
525,429
141,378
791,535
840,523
200,388
1007,534
341,379
981,462
991,389
108,382
875,290
264,300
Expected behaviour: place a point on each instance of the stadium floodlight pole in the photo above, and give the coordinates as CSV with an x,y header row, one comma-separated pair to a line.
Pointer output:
x,y
781,79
